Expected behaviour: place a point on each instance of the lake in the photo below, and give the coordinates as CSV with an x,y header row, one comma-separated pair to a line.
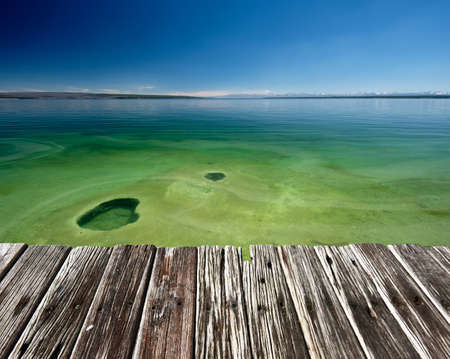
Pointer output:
x,y
295,171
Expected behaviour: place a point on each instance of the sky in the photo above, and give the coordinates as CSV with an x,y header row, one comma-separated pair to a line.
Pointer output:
x,y
222,47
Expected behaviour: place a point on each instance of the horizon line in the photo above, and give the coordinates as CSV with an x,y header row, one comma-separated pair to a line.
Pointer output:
x,y
123,95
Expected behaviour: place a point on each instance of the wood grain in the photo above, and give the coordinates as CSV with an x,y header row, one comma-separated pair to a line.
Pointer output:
x,y
431,274
22,289
110,328
419,319
353,301
9,253
371,319
221,330
328,332
167,326
442,254
275,330
54,327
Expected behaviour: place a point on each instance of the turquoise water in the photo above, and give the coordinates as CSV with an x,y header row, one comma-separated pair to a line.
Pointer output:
x,y
296,171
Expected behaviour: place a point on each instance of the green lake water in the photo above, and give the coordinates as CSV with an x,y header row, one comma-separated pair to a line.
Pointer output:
x,y
319,171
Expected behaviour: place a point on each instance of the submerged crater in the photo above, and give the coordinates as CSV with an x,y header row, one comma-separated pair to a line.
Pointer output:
x,y
110,215
215,176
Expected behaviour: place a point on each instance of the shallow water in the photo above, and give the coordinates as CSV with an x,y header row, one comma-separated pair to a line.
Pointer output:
x,y
321,171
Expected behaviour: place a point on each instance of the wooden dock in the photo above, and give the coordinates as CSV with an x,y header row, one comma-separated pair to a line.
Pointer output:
x,y
357,301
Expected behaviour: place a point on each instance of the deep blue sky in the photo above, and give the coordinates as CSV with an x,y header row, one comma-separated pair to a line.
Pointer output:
x,y
231,46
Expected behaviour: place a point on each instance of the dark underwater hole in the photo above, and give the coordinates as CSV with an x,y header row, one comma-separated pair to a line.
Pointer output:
x,y
215,176
110,215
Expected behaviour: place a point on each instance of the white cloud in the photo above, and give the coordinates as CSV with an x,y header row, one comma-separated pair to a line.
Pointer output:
x,y
143,89
76,89
33,90
222,93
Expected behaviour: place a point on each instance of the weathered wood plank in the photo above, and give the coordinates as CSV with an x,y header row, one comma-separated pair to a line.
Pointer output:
x,y
432,276
425,327
275,330
110,328
167,325
327,330
236,308
22,289
54,327
9,253
209,308
221,330
370,318
442,254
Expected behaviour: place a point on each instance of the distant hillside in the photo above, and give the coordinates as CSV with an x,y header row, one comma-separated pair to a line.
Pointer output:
x,y
82,95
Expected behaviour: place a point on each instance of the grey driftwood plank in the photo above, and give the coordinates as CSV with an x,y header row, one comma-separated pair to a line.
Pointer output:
x,y
430,274
22,289
327,330
275,330
371,319
54,327
221,330
167,325
442,253
424,325
111,325
8,255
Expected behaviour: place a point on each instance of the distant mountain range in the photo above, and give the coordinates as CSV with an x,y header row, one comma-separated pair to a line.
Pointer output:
x,y
431,94
84,95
